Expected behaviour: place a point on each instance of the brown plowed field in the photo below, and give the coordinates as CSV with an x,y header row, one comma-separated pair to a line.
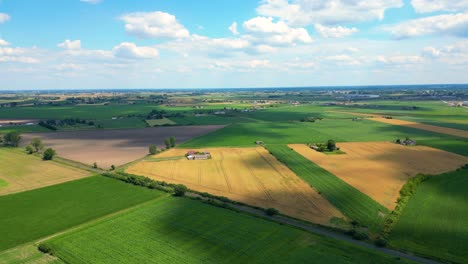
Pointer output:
x,y
114,147
438,129
379,169
249,175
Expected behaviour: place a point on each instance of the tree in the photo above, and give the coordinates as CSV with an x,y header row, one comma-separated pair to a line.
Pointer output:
x,y
271,211
36,143
95,165
49,154
29,149
112,167
180,189
12,139
331,145
153,149
172,140
167,141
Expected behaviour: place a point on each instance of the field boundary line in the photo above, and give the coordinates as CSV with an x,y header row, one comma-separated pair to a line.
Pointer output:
x,y
301,194
257,180
97,220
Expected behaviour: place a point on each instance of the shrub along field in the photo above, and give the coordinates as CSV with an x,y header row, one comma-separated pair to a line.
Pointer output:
x,y
434,222
27,254
42,212
341,130
350,201
178,230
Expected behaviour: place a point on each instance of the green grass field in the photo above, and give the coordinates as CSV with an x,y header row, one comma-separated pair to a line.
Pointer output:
x,y
350,201
160,122
42,212
210,120
434,223
341,130
178,230
3,183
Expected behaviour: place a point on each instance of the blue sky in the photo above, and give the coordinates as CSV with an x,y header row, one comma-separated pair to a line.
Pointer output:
x,y
225,43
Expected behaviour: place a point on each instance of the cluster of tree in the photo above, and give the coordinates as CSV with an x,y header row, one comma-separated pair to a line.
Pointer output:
x,y
329,146
170,142
142,181
11,139
153,149
53,124
35,146
311,119
160,114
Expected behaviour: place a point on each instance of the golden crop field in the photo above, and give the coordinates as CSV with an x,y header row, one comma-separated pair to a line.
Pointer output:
x,y
24,172
380,169
438,129
248,175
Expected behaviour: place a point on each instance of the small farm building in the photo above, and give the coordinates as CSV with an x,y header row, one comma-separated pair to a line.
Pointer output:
x,y
194,155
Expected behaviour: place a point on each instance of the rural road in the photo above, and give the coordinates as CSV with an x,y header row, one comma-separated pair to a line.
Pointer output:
x,y
324,232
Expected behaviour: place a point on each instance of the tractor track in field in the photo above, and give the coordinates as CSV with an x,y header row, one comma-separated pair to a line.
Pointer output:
x,y
301,194
258,182
220,167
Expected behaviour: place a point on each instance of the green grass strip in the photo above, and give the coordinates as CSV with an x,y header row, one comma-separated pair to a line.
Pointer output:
x,y
350,201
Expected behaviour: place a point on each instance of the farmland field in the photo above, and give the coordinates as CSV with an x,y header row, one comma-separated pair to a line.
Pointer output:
x,y
20,172
114,147
248,175
343,130
160,122
434,221
34,214
437,129
380,169
176,230
350,201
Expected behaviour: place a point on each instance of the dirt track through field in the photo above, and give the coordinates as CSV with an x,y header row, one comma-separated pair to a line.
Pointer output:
x,y
114,147
437,129
249,175
380,169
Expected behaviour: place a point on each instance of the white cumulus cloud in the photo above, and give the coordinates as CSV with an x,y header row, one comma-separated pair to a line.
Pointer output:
x,y
427,6
233,28
450,24
70,44
334,32
154,25
4,17
131,51
399,59
4,42
264,30
307,12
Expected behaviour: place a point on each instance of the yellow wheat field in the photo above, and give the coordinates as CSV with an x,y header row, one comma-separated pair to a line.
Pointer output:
x,y
438,129
25,172
249,175
379,169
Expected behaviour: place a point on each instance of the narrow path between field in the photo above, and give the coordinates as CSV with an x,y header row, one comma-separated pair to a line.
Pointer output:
x,y
323,232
